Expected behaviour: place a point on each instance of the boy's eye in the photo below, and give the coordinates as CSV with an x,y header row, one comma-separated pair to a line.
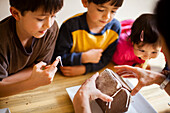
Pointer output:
x,y
100,10
113,11
40,19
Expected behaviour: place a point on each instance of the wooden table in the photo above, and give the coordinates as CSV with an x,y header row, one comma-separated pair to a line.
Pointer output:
x,y
53,98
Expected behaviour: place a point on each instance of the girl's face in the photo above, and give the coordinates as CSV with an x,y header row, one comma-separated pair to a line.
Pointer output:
x,y
147,51
99,15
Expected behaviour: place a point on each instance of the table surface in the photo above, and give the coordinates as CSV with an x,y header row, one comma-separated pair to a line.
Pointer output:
x,y
53,98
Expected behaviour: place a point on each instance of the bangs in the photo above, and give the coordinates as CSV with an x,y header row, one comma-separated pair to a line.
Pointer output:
x,y
117,3
51,6
48,6
154,45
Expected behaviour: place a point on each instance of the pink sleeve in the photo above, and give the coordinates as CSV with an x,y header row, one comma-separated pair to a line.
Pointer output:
x,y
119,56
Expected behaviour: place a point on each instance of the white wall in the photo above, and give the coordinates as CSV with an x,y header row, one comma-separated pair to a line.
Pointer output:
x,y
130,9
4,9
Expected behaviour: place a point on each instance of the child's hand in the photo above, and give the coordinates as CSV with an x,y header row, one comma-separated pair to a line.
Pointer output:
x,y
92,56
45,76
73,70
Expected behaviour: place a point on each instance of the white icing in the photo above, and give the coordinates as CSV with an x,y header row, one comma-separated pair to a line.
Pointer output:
x,y
128,96
59,57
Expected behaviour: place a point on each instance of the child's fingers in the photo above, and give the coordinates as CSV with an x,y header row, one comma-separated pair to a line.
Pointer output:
x,y
45,67
65,67
55,63
53,66
40,65
65,72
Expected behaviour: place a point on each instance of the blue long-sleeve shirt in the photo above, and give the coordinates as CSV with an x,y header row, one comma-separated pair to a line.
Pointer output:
x,y
75,38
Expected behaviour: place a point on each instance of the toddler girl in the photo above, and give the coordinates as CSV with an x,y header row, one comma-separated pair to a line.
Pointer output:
x,y
138,42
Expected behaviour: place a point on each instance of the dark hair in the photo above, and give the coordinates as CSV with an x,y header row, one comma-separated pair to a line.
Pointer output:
x,y
117,3
163,19
51,6
147,24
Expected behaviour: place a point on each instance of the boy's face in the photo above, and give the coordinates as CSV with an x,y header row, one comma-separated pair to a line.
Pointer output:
x,y
101,14
35,23
147,51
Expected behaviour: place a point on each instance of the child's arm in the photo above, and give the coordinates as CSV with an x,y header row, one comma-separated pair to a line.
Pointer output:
x,y
90,67
106,54
20,76
37,78
63,47
73,70
91,56
105,59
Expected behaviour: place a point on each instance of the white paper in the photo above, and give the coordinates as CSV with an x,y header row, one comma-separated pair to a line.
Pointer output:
x,y
157,64
138,103
5,110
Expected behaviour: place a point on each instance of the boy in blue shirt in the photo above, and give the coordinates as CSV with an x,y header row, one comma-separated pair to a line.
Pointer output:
x,y
87,41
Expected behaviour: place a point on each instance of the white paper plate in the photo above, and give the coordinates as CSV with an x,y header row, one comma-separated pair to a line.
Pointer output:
x,y
5,110
138,103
